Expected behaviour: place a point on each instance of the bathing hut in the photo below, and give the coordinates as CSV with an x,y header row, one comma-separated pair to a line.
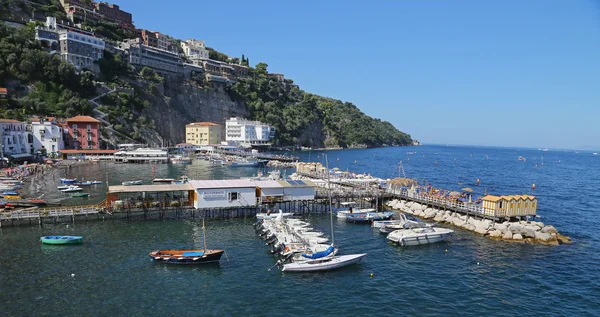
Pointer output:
x,y
510,206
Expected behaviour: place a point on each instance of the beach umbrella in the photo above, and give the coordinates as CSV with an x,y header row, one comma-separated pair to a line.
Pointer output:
x,y
468,189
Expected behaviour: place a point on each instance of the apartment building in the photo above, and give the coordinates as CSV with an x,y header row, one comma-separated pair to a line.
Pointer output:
x,y
47,136
203,133
244,132
140,55
195,50
81,132
113,13
16,140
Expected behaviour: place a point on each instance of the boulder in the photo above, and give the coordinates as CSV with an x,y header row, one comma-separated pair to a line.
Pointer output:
x,y
516,227
502,227
472,221
430,213
563,239
507,235
438,218
486,223
543,237
529,231
408,211
537,223
482,231
496,234
549,229
409,204
457,222
517,236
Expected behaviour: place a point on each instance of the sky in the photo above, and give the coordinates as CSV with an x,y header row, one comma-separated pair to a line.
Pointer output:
x,y
501,73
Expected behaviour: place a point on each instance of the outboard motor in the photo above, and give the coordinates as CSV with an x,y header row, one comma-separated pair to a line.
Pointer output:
x,y
277,249
271,240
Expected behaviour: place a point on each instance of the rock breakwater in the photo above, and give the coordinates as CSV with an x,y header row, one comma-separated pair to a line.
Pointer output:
x,y
513,231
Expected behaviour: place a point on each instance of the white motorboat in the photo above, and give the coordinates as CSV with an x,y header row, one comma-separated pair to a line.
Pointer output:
x,y
419,236
323,264
131,183
351,207
71,189
273,215
387,226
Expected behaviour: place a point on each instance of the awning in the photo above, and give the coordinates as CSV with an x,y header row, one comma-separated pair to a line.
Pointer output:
x,y
20,156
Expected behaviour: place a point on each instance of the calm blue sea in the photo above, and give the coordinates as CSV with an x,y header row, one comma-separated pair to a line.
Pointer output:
x,y
468,275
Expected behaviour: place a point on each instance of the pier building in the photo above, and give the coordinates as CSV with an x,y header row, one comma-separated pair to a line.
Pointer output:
x,y
142,156
510,206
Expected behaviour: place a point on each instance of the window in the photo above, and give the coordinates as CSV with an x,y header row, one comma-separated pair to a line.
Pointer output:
x,y
234,196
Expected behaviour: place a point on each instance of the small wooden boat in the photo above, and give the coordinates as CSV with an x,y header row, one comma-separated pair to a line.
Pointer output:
x,y
68,180
80,195
62,239
187,256
131,183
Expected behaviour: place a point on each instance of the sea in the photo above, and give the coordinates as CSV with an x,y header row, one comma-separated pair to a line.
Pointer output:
x,y
111,274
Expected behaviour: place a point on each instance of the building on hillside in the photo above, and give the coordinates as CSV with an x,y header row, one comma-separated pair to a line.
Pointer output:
x,y
16,140
3,95
195,50
47,136
203,133
247,133
81,132
76,14
156,40
113,13
79,47
510,206
278,77
140,55
80,3
192,70
240,71
217,71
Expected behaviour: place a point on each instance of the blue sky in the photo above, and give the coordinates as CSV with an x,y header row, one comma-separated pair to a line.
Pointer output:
x,y
507,73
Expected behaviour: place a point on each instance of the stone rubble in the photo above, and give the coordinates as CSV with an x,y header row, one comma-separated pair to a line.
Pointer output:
x,y
521,231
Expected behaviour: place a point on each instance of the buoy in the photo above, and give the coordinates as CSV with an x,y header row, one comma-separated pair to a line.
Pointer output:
x,y
532,186
477,263
371,275
72,274
446,250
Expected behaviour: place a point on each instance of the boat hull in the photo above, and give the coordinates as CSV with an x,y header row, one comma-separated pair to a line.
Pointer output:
x,y
62,239
187,257
330,263
406,237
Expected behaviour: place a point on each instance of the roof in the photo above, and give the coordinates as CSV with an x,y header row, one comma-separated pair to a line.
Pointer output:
x,y
10,121
203,124
46,119
149,188
3,91
82,119
268,183
88,151
19,156
492,198
222,183
296,183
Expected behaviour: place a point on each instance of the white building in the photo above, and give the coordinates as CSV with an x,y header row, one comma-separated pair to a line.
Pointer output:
x,y
47,135
194,49
244,132
140,55
15,139
142,156
224,193
79,47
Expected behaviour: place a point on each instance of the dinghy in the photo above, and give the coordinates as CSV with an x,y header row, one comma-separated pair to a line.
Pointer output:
x,y
61,239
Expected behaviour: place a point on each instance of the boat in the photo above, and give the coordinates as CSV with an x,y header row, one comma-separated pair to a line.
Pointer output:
x,y
61,239
63,187
269,215
72,189
419,236
163,180
396,222
96,182
181,160
68,180
350,207
87,183
131,183
247,163
80,195
369,216
10,193
330,260
188,256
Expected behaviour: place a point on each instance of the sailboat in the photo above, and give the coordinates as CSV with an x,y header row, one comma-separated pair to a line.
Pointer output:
x,y
327,262
188,256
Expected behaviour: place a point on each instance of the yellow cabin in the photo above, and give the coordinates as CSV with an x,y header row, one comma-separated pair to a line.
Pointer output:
x,y
509,206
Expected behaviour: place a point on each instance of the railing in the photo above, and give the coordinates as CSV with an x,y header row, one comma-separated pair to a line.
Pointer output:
x,y
51,212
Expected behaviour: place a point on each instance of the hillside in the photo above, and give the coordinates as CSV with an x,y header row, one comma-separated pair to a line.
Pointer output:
x,y
148,108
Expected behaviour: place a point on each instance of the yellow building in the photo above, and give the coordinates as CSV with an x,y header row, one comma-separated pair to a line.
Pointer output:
x,y
203,133
510,206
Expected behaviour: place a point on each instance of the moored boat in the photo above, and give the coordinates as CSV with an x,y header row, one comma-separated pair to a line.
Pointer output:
x,y
132,183
323,264
187,256
71,189
80,195
163,180
68,180
419,236
62,239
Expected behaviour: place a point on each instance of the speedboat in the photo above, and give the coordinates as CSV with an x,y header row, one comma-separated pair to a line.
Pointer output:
x,y
349,207
96,182
323,264
131,183
419,236
71,189
87,183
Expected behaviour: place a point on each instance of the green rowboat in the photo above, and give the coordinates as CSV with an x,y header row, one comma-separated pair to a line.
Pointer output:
x,y
62,239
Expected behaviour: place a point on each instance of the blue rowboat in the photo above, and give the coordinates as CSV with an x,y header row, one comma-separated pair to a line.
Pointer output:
x,y
68,180
61,239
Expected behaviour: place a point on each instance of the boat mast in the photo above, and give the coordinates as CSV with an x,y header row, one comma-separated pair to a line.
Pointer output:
x,y
204,234
329,193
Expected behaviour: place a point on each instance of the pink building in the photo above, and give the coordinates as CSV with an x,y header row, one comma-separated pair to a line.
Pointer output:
x,y
81,132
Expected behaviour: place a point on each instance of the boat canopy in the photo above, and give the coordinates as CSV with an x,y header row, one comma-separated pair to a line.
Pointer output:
x,y
193,254
320,254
